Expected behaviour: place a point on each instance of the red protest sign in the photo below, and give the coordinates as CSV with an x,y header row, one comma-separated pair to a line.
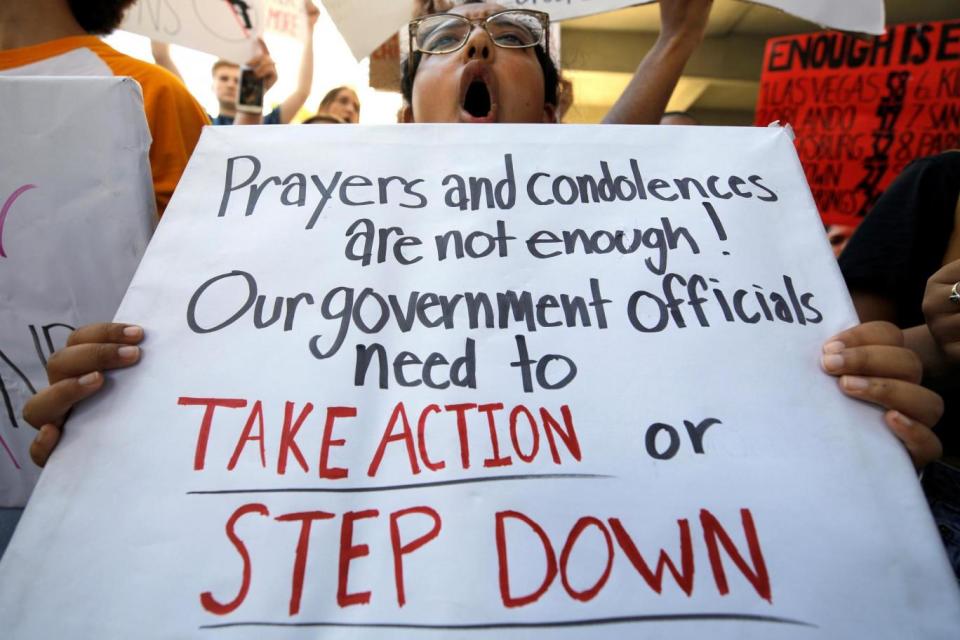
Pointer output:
x,y
863,109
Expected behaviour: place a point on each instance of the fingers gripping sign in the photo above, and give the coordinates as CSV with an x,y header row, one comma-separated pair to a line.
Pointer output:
x,y
873,365
76,372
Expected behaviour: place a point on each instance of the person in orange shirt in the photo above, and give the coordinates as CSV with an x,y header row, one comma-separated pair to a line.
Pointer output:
x,y
58,37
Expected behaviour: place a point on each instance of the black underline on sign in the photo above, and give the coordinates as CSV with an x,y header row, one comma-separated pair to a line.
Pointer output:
x,y
401,487
485,626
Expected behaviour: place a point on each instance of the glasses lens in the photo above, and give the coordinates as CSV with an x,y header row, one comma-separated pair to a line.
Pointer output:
x,y
442,34
515,29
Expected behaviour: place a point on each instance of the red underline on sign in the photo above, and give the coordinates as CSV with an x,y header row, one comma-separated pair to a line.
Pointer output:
x,y
401,487
485,626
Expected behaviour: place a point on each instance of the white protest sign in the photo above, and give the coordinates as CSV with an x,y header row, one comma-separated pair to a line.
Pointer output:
x,y
225,28
76,212
286,18
503,381
366,25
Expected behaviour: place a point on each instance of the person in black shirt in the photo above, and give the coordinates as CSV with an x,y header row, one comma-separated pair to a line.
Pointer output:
x,y
909,235
903,265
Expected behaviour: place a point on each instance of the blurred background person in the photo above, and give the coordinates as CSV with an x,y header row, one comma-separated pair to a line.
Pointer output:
x,y
225,76
341,103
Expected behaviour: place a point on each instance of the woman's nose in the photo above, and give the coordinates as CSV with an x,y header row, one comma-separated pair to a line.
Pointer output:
x,y
479,46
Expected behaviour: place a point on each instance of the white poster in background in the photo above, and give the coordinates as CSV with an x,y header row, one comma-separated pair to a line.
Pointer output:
x,y
562,384
76,212
227,29
365,26
286,18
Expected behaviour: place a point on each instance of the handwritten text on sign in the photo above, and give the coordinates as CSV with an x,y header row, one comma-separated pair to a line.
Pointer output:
x,y
224,28
863,110
531,385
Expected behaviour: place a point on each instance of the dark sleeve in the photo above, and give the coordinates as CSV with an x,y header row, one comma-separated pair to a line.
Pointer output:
x,y
902,241
273,117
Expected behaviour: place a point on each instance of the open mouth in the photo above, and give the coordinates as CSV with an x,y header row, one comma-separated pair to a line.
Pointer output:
x,y
477,100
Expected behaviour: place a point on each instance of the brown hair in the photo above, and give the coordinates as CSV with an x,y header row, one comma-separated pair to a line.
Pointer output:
x,y
332,95
99,18
323,118
222,63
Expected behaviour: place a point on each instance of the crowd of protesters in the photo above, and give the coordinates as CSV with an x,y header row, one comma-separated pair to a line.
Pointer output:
x,y
902,265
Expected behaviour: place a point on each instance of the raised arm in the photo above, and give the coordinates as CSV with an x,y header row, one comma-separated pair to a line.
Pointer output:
x,y
682,25
293,103
161,55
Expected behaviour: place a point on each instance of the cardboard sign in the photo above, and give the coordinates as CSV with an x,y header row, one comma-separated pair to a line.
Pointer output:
x,y
863,110
366,25
227,29
559,380
385,69
76,212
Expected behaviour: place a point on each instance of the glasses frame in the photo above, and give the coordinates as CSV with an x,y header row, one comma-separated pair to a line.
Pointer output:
x,y
542,17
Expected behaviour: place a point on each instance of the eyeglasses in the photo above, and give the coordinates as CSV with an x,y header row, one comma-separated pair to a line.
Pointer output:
x,y
448,32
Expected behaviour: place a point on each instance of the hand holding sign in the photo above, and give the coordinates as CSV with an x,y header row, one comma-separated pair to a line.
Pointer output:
x,y
76,213
76,373
874,349
875,367
537,364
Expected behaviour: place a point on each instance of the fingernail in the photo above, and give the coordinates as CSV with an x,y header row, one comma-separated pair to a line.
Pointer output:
x,y
834,346
133,331
901,420
855,383
89,379
128,353
832,362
